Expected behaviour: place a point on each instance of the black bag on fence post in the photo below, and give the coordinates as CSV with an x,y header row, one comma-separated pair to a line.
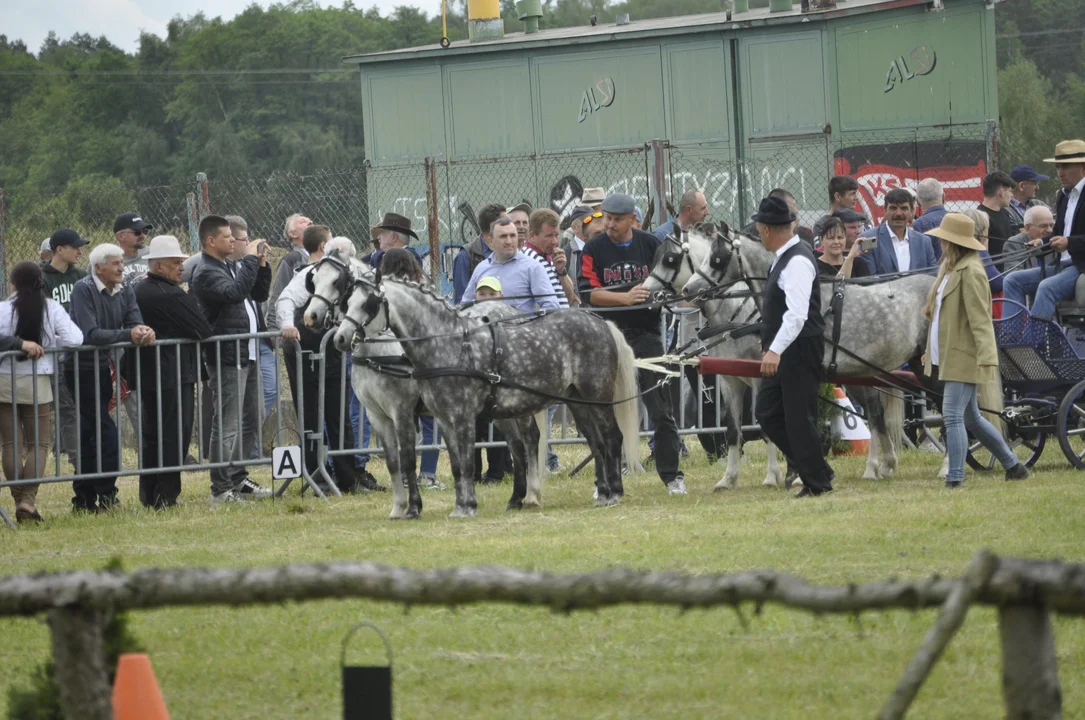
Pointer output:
x,y
367,689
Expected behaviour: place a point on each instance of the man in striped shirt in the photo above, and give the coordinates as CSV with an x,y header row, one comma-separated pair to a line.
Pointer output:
x,y
543,237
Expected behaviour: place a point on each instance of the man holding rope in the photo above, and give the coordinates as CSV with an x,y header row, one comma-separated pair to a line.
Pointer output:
x,y
792,338
621,258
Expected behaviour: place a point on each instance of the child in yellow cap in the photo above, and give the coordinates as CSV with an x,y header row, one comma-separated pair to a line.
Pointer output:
x,y
488,288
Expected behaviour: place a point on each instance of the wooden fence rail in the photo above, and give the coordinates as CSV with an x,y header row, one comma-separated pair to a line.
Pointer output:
x,y
1025,591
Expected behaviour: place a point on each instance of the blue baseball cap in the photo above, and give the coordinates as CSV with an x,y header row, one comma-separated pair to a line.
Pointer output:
x,y
1024,173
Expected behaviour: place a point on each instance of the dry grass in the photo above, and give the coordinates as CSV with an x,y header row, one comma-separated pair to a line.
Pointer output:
x,y
497,662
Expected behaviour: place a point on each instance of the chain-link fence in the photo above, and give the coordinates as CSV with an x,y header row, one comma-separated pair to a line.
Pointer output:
x,y
442,197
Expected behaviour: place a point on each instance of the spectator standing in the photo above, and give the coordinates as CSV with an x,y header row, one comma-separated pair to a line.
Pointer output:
x,y
239,230
593,197
107,313
931,198
961,347
469,257
792,338
542,247
167,387
843,193
615,265
899,248
131,233
805,234
228,293
524,281
46,251
997,193
1026,185
29,321
293,230
393,231
693,209
291,301
833,261
60,276
1038,224
521,217
1068,239
579,221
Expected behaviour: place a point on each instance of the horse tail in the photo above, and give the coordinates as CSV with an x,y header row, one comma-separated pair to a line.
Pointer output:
x,y
627,413
542,420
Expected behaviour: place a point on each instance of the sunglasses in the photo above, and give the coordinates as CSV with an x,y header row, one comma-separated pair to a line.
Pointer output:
x,y
137,233
594,216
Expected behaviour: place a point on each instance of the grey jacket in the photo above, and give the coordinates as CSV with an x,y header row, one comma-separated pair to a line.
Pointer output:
x,y
104,319
573,256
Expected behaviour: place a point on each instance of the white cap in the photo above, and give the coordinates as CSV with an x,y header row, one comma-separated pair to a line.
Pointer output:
x,y
164,246
47,245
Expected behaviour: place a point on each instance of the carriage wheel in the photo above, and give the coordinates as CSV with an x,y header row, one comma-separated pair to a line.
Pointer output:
x,y
1027,446
1071,425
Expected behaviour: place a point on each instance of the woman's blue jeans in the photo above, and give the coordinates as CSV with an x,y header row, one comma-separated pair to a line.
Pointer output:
x,y
961,414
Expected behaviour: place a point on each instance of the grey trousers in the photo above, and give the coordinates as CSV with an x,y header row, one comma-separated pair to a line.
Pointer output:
x,y
67,418
229,398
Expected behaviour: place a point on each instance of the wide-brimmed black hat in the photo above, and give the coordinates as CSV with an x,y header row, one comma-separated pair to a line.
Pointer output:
x,y
774,211
391,221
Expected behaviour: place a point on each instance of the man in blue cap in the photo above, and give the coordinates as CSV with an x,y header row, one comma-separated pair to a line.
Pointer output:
x,y
1024,195
793,342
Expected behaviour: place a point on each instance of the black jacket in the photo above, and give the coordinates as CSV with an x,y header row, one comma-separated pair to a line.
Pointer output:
x,y
222,298
171,313
1076,236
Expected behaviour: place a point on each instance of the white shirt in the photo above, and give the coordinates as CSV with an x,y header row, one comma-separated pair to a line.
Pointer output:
x,y
293,296
101,285
934,321
796,280
903,249
1071,208
58,330
254,327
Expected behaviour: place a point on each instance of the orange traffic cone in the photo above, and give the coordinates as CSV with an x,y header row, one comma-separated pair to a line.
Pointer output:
x,y
136,695
849,427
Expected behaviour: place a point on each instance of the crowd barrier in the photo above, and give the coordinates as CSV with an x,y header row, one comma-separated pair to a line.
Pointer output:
x,y
288,427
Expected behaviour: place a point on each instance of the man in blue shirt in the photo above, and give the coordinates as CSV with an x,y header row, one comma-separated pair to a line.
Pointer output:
x,y
523,281
469,257
694,209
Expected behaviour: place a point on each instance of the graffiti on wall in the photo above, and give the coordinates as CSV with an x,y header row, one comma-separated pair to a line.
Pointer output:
x,y
921,61
596,98
959,165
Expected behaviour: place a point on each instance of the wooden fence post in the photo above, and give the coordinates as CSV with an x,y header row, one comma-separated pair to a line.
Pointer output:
x,y
1030,676
79,658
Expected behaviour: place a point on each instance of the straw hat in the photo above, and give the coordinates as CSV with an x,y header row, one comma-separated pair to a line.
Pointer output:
x,y
959,230
1069,151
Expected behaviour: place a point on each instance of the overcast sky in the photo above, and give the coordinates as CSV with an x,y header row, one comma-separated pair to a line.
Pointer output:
x,y
122,20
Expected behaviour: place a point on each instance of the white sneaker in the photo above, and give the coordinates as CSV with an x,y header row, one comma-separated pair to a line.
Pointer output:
x,y
945,468
228,497
677,486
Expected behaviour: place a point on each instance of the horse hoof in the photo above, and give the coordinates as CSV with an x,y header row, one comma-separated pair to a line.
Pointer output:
x,y
607,502
532,503
413,514
460,512
724,484
398,513
770,482
870,474
514,505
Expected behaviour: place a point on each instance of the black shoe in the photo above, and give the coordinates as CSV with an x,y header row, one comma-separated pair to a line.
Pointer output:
x,y
109,502
954,484
252,490
1017,472
807,492
368,482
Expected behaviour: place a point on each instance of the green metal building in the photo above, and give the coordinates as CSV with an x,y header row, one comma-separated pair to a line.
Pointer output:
x,y
888,91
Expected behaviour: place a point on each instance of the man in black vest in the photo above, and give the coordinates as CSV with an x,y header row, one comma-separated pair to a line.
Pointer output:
x,y
792,338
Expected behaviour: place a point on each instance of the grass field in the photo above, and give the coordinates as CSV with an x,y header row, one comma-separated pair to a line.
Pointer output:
x,y
489,661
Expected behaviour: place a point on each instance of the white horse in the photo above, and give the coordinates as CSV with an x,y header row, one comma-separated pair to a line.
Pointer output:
x,y
697,263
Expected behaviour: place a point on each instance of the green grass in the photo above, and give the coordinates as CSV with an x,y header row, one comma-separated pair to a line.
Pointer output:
x,y
492,661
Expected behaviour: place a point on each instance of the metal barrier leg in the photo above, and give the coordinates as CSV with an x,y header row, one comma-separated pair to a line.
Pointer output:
x,y
6,519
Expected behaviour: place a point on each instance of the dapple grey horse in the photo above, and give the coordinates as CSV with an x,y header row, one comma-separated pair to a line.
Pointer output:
x,y
508,369
881,324
392,401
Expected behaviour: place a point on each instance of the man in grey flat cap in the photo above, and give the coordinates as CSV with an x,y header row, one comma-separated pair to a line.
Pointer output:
x,y
614,265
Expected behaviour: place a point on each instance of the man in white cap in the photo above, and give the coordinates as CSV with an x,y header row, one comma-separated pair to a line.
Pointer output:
x,y
173,314
46,251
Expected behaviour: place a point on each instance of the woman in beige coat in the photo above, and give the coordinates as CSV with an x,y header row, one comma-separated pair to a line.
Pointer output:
x,y
961,345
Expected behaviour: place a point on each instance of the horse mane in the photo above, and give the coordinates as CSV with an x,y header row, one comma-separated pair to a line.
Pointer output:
x,y
424,289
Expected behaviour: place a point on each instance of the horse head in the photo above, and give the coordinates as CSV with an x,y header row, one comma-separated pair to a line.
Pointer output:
x,y
719,266
327,285
675,263
365,311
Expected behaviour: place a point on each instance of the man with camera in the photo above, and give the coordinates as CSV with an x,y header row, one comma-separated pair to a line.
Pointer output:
x,y
896,246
